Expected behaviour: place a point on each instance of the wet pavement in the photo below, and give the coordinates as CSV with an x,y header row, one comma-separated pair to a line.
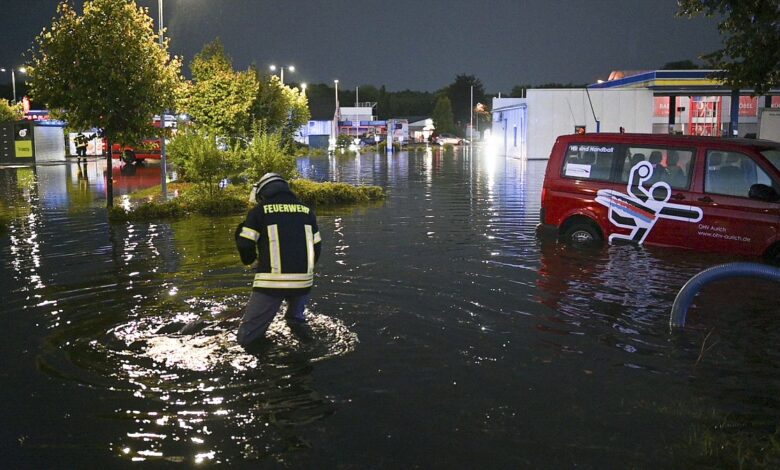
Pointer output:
x,y
446,335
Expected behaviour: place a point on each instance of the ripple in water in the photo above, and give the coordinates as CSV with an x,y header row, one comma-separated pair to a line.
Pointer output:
x,y
201,396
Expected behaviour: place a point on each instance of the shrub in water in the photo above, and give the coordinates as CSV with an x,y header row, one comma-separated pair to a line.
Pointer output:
x,y
311,192
199,160
264,154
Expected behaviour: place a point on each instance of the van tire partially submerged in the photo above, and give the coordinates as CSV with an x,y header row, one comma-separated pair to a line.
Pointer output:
x,y
582,233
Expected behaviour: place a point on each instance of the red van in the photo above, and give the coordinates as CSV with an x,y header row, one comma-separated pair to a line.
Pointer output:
x,y
701,193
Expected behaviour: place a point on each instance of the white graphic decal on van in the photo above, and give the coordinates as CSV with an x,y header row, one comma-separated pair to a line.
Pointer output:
x,y
641,208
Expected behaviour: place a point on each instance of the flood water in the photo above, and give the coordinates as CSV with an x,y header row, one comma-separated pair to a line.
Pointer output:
x,y
446,335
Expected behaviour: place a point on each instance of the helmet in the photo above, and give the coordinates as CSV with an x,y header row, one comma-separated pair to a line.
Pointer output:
x,y
257,188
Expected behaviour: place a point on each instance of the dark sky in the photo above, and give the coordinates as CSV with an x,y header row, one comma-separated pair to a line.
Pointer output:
x,y
415,44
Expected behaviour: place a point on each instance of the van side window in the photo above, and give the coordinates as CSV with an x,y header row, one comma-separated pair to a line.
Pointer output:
x,y
732,174
670,165
590,161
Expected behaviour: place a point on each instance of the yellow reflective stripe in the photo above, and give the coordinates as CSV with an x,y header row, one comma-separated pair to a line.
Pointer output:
x,y
309,249
273,249
283,284
317,238
284,276
283,281
247,232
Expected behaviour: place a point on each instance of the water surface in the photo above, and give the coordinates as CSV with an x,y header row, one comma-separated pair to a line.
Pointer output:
x,y
445,335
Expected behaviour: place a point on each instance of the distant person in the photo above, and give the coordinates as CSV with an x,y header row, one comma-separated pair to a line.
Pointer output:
x,y
281,241
622,130
81,142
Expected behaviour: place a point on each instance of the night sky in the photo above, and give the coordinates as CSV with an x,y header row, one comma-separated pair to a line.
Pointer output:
x,y
414,44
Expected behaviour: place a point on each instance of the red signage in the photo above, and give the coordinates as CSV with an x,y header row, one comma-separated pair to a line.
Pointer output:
x,y
748,106
776,101
661,106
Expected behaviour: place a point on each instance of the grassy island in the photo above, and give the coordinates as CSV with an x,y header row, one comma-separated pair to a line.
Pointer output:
x,y
191,198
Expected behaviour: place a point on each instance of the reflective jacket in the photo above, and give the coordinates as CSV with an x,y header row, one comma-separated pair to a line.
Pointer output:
x,y
282,234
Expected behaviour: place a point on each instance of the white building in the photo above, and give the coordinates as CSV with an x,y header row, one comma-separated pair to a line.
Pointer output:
x,y
663,101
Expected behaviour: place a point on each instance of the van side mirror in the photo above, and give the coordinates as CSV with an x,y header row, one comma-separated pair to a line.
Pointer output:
x,y
763,192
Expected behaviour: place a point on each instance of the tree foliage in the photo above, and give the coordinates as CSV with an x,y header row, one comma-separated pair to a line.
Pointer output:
x,y
442,117
10,112
280,109
231,103
459,93
750,57
104,69
219,99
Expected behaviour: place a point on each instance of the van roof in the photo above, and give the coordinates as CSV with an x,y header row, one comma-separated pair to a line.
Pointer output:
x,y
672,138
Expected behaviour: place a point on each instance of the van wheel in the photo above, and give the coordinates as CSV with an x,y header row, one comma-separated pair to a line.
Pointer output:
x,y
128,156
582,233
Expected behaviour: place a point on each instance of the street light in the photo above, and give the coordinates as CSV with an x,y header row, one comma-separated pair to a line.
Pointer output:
x,y
290,68
163,162
13,78
303,88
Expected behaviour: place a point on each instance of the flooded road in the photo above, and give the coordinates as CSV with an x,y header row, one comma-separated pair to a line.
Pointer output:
x,y
446,335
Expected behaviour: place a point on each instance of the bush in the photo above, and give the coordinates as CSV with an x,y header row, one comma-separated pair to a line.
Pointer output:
x,y
264,154
10,112
231,200
197,156
194,199
311,192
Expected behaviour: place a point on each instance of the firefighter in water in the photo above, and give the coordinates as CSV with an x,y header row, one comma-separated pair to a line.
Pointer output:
x,y
281,241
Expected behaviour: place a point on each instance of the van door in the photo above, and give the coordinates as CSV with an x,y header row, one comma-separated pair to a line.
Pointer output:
x,y
657,198
732,222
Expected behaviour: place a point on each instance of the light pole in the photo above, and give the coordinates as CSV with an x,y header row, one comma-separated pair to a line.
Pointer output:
x,y
13,78
163,162
471,122
290,68
303,88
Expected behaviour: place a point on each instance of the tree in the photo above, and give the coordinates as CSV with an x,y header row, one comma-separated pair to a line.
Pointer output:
x,y
442,116
750,57
10,112
459,93
104,69
280,109
220,99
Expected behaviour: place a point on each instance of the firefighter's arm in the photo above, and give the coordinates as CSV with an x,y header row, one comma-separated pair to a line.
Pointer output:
x,y
246,242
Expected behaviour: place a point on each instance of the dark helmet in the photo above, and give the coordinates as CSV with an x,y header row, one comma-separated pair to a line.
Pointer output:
x,y
269,184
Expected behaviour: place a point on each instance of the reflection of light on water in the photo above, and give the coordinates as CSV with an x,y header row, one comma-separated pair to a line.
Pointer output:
x,y
217,346
205,384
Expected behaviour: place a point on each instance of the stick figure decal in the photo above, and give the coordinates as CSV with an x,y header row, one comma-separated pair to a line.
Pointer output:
x,y
642,206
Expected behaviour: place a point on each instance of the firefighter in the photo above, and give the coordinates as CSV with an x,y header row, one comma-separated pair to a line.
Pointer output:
x,y
81,146
280,240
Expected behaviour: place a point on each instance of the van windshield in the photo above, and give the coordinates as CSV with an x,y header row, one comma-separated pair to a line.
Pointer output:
x,y
773,155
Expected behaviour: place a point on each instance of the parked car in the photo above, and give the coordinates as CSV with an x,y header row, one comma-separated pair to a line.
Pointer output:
x,y
445,139
701,193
